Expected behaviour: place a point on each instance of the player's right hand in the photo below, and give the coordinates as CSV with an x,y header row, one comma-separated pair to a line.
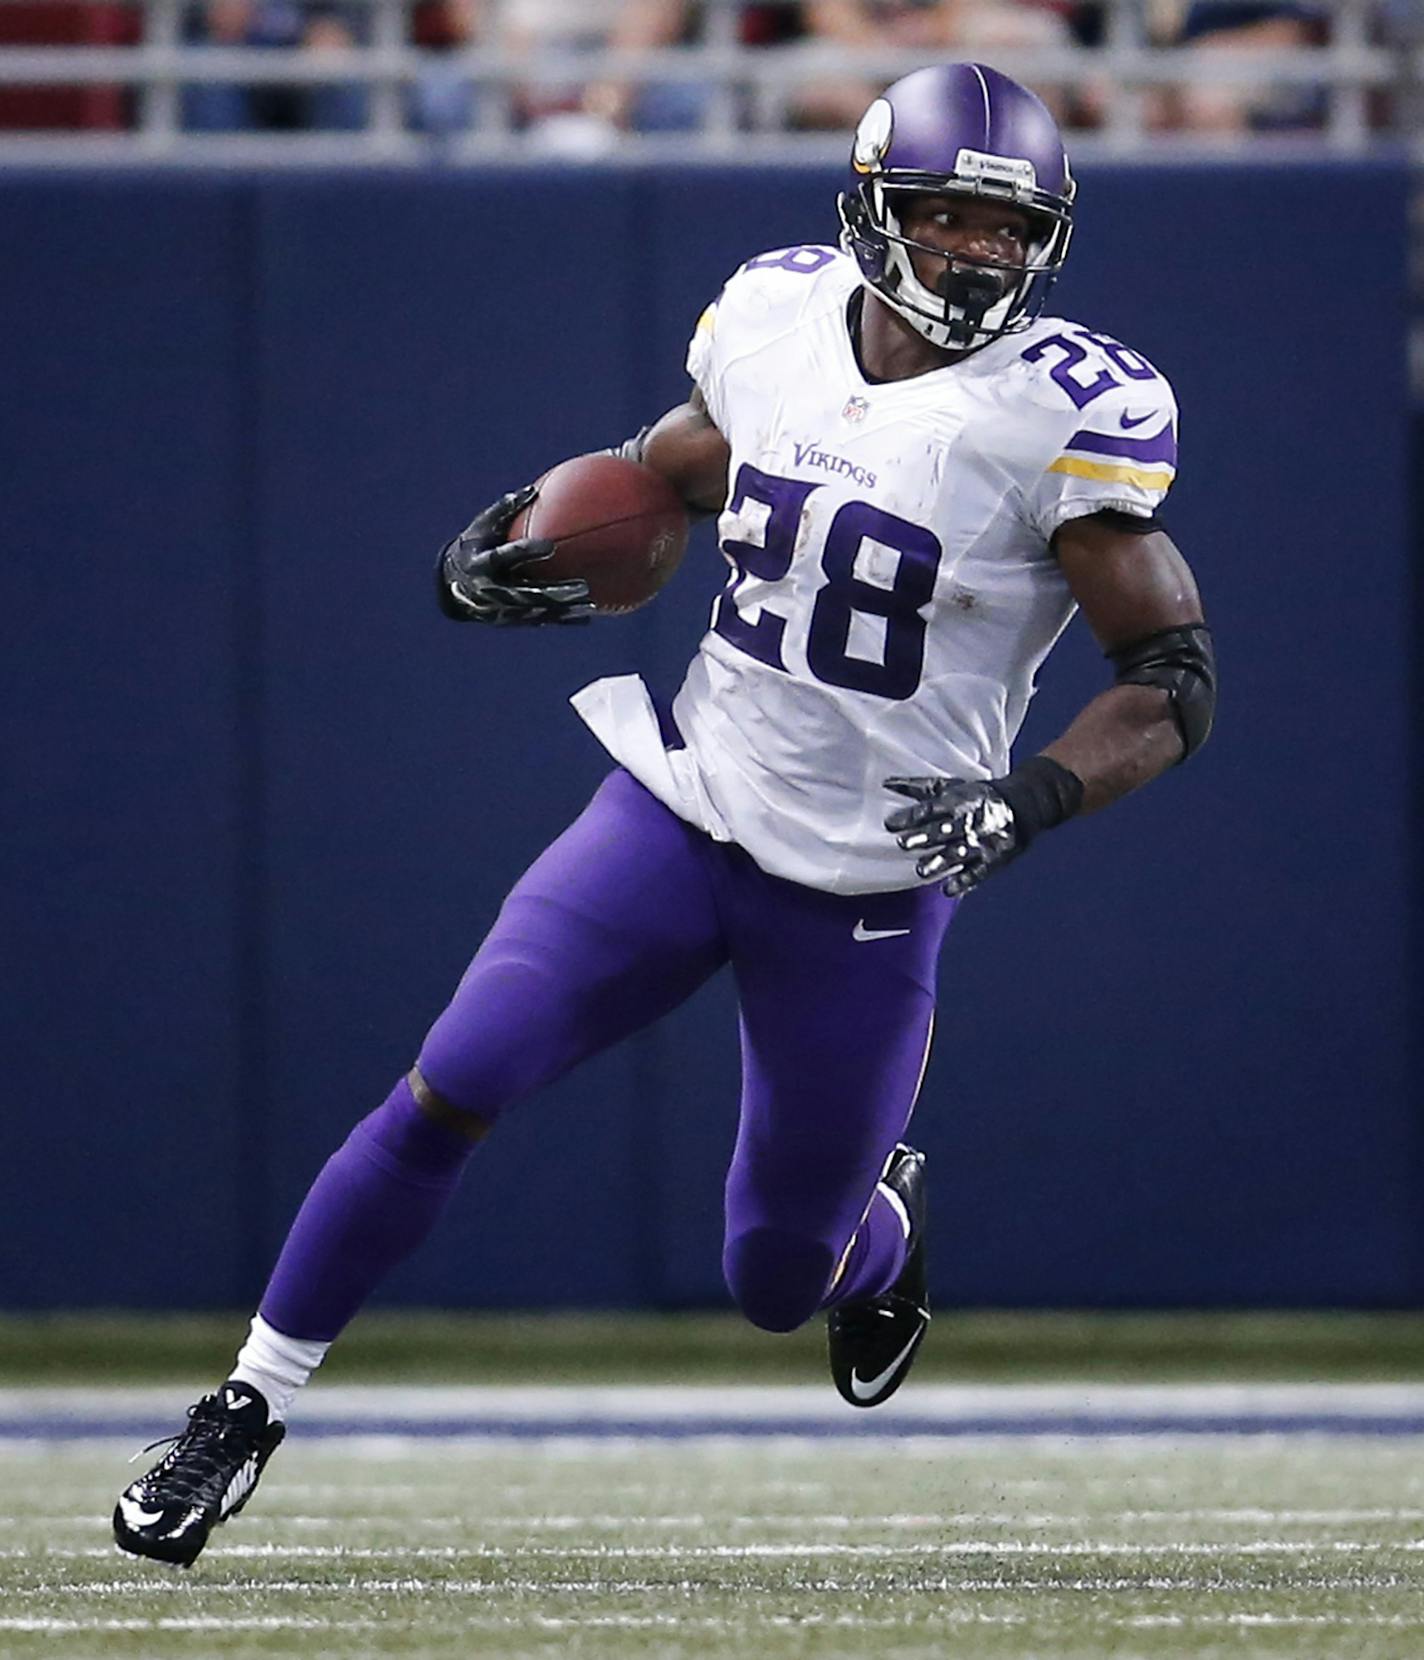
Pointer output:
x,y
963,830
477,576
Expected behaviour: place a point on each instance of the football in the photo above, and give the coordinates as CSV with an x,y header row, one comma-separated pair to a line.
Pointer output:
x,y
615,523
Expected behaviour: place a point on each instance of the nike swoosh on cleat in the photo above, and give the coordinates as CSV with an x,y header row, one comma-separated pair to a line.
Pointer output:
x,y
136,1516
1127,421
866,1389
861,932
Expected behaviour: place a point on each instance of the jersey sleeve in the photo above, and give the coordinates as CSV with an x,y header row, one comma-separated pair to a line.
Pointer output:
x,y
762,299
1120,452
702,362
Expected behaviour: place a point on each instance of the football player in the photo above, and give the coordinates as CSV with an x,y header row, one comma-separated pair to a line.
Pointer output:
x,y
920,476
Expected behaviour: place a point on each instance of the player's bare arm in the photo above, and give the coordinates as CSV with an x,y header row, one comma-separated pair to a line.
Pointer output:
x,y
1139,597
686,447
1141,601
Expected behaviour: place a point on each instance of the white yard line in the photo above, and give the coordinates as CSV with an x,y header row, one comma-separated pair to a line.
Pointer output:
x,y
927,1402
910,1624
1335,1622
345,1520
504,1584
195,1622
760,1551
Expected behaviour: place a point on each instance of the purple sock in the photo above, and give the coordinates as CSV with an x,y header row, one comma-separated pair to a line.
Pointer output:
x,y
876,1256
375,1200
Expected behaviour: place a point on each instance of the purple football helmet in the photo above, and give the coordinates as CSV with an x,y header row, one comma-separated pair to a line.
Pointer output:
x,y
958,129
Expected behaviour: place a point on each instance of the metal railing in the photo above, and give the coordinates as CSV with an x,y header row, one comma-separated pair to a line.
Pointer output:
x,y
1363,84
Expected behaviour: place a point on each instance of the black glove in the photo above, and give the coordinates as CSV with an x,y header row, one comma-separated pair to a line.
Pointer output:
x,y
966,830
477,574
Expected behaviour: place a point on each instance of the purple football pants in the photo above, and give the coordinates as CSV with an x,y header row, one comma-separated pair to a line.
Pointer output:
x,y
614,925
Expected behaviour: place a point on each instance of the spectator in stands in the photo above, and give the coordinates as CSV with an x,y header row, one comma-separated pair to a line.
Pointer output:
x,y
553,35
66,23
550,34
667,103
936,28
679,105
1237,106
561,108
220,106
653,106
442,99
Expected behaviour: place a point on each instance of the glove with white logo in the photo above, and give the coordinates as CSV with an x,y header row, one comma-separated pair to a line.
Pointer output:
x,y
477,576
965,830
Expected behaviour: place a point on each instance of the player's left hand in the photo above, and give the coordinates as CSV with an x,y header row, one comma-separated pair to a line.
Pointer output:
x,y
963,830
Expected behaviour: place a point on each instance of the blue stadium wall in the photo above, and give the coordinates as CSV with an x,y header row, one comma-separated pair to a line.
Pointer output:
x,y
262,802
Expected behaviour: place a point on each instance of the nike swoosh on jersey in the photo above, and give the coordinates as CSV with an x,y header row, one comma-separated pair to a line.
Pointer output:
x,y
861,932
865,1388
1127,422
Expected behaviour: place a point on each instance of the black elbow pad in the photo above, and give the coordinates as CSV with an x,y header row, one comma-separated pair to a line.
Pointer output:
x,y
1181,662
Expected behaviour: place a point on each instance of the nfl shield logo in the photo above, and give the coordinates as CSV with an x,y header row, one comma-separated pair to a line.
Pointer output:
x,y
855,409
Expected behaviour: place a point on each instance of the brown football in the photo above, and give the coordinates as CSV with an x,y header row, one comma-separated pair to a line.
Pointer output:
x,y
616,523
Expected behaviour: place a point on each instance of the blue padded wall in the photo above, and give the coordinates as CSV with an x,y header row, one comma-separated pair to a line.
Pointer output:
x,y
263,801
125,425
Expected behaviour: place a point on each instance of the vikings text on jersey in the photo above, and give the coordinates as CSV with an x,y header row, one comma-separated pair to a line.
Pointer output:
x,y
892,589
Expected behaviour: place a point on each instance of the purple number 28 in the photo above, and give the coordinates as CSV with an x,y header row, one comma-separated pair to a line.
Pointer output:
x,y
898,607
1072,356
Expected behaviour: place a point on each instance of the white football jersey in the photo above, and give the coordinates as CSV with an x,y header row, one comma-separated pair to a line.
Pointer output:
x,y
892,589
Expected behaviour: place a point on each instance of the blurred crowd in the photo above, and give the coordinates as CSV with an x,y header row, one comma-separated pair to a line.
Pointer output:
x,y
562,106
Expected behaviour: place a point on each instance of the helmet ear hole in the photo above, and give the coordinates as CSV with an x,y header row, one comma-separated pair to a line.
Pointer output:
x,y
861,236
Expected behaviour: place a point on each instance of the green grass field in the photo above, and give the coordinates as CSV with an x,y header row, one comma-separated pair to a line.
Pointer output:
x,y
522,1348
754,1547
909,1549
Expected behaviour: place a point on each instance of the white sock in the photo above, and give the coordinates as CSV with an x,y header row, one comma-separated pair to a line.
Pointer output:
x,y
276,1364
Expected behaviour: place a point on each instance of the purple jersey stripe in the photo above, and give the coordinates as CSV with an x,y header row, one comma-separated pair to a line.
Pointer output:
x,y
1162,446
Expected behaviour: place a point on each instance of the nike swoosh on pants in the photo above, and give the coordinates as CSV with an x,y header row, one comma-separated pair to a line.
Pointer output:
x,y
861,932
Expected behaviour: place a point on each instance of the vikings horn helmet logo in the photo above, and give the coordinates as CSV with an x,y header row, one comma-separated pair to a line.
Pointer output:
x,y
872,137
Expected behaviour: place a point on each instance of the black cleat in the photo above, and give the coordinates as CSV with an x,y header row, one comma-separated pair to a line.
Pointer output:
x,y
206,1476
873,1342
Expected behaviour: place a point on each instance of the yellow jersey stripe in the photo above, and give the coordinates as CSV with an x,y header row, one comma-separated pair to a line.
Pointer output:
x,y
1108,473
706,320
